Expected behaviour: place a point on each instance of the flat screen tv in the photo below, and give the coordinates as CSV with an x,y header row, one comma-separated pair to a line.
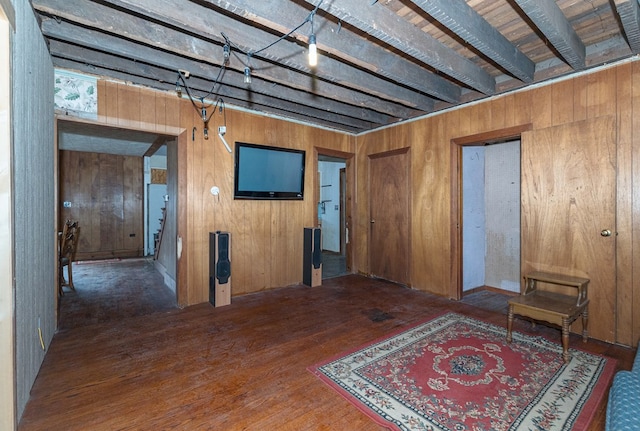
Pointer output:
x,y
265,172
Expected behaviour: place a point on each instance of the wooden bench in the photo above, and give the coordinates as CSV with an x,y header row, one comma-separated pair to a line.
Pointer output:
x,y
556,308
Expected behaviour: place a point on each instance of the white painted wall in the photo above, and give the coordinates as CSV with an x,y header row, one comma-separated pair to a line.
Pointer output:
x,y
502,194
330,193
474,212
491,216
154,198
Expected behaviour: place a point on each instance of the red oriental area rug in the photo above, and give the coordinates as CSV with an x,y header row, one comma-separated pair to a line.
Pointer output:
x,y
457,373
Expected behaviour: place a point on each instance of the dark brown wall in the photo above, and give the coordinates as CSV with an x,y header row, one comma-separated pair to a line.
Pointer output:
x,y
106,195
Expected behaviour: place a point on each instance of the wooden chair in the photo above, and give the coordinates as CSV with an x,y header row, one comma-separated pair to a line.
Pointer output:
x,y
556,308
66,255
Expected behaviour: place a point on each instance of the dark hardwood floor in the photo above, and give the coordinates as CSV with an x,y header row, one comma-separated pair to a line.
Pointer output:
x,y
126,359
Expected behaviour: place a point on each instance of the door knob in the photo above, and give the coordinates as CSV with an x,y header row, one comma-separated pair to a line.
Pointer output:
x,y
605,232
372,221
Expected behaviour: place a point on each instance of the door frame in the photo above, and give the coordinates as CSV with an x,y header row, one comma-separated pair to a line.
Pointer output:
x,y
455,225
349,207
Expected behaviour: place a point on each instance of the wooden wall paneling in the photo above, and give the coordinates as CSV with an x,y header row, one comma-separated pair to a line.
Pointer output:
x,y
510,109
635,292
148,116
182,214
129,106
624,207
498,113
522,106
601,93
195,241
580,100
421,158
133,211
436,215
111,203
541,112
562,103
161,112
361,218
563,213
89,217
111,104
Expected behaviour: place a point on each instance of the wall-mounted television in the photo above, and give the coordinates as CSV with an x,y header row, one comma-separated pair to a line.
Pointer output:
x,y
265,172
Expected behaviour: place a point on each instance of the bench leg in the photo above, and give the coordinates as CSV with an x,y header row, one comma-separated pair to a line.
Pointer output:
x,y
509,323
565,340
585,322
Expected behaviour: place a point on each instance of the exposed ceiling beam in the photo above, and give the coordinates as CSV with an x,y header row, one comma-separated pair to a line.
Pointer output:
x,y
389,28
199,87
153,83
285,53
461,19
119,60
629,13
550,20
341,44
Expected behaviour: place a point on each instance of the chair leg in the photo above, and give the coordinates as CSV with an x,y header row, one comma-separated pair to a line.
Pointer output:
x,y
70,276
565,340
585,323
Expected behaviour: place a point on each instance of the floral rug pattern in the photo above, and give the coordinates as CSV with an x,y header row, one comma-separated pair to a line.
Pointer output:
x,y
458,373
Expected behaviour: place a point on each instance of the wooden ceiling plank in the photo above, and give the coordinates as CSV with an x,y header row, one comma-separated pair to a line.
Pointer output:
x,y
629,13
391,29
93,60
345,45
550,20
286,53
461,19
284,76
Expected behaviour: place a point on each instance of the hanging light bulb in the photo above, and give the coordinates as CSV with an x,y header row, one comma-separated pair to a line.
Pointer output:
x,y
313,51
247,75
204,113
178,89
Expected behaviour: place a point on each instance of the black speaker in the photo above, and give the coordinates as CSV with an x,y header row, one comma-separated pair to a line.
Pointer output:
x,y
219,268
312,257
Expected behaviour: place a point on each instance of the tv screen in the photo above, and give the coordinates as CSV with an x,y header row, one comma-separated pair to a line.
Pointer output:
x,y
264,172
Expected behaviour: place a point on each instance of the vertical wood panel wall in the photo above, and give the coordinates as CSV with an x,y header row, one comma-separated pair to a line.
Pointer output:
x,y
267,236
105,192
34,193
611,91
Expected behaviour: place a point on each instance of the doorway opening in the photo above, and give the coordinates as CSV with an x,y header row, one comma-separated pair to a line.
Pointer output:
x,y
491,217
333,211
484,168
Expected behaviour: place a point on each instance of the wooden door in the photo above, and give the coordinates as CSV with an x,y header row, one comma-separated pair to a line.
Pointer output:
x,y
389,191
568,199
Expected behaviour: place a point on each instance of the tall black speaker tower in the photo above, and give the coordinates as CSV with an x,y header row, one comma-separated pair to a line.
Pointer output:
x,y
312,258
219,268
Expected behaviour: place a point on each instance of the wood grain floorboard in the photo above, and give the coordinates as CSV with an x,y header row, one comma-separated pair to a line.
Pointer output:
x,y
239,367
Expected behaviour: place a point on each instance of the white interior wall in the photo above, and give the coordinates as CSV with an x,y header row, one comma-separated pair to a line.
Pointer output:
x,y
491,216
474,225
330,195
154,198
502,197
